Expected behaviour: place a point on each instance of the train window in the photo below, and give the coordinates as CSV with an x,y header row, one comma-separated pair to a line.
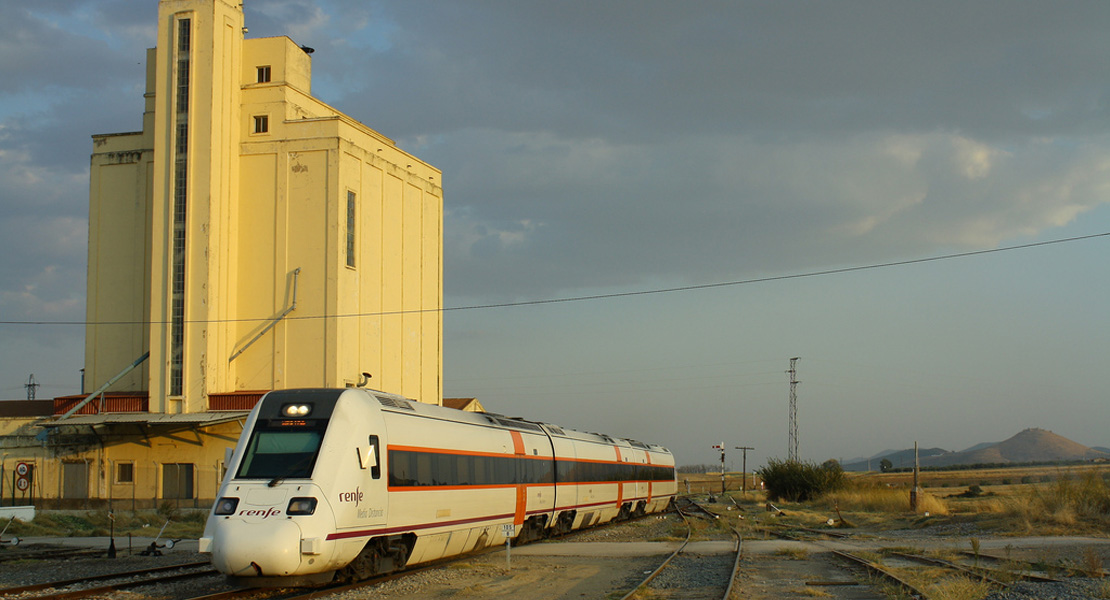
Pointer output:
x,y
464,469
281,453
423,471
401,469
481,473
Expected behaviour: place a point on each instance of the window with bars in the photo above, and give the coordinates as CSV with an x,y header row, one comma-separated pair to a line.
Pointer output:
x,y
180,198
351,223
125,472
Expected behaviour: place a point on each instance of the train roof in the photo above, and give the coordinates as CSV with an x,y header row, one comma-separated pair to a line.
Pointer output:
x,y
401,405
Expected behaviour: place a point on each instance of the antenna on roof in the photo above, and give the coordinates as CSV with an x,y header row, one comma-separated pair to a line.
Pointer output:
x,y
31,385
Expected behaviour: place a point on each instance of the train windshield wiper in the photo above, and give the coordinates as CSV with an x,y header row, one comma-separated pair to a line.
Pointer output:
x,y
275,481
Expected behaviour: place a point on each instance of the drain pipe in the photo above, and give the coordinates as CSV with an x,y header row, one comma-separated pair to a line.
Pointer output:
x,y
270,326
100,390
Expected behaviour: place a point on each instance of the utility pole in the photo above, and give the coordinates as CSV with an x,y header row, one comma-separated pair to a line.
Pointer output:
x,y
31,385
744,469
916,489
792,451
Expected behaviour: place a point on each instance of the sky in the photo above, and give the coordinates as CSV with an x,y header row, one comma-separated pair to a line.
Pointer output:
x,y
650,207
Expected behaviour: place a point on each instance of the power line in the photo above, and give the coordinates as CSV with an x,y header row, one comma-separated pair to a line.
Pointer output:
x,y
610,296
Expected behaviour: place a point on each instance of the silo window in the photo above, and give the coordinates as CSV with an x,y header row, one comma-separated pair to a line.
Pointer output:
x,y
351,222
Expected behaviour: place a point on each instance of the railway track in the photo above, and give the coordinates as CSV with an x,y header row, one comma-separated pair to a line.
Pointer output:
x,y
49,554
79,588
692,577
929,577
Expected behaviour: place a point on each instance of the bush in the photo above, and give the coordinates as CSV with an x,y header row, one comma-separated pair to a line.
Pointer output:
x,y
796,481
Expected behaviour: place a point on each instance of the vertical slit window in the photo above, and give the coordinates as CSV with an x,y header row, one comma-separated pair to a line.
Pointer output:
x,y
351,246
184,31
176,379
183,48
183,85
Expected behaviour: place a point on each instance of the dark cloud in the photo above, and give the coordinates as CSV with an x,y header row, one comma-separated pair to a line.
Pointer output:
x,y
623,145
632,71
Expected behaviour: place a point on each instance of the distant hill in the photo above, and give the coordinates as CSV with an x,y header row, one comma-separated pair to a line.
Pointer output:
x,y
1101,449
979,446
1029,446
900,459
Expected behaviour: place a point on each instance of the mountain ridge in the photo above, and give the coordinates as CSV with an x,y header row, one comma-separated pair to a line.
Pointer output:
x,y
1031,445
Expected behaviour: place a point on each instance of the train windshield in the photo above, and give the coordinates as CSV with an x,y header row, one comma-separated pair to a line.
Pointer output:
x,y
281,454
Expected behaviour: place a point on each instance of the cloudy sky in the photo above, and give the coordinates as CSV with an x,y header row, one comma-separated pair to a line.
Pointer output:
x,y
708,189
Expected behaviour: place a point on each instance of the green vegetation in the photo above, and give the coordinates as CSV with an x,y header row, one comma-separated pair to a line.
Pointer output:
x,y
796,481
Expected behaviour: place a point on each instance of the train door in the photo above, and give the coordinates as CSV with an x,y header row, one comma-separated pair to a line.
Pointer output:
x,y
372,506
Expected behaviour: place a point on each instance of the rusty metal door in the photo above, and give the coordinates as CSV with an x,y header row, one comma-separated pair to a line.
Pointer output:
x,y
75,480
177,481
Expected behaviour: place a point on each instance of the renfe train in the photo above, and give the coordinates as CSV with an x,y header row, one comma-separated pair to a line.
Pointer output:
x,y
347,483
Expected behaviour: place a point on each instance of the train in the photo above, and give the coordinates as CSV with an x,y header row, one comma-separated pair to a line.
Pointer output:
x,y
344,484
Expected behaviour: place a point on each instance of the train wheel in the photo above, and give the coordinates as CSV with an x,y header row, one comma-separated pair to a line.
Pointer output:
x,y
377,557
365,565
564,523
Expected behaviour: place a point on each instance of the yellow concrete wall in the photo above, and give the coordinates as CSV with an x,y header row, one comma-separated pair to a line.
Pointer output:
x,y
260,206
204,449
117,308
338,329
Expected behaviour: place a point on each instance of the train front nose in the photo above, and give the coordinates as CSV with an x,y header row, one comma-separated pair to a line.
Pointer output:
x,y
244,549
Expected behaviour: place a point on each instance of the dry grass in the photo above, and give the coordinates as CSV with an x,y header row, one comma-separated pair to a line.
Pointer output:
x,y
1068,505
1091,562
959,588
881,499
793,553
1048,500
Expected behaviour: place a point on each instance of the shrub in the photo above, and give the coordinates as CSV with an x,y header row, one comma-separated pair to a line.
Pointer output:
x,y
796,481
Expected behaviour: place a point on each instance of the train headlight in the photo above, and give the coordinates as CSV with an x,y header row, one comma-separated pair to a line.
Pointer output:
x,y
296,410
226,506
301,506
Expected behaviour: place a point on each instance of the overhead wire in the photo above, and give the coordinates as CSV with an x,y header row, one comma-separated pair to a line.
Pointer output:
x,y
606,296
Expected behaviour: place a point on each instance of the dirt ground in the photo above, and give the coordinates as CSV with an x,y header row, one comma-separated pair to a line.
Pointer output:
x,y
773,576
528,578
769,570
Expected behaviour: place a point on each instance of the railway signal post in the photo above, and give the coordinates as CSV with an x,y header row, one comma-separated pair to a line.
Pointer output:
x,y
721,448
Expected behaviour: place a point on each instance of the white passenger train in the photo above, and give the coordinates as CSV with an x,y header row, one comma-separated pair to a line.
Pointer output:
x,y
348,483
